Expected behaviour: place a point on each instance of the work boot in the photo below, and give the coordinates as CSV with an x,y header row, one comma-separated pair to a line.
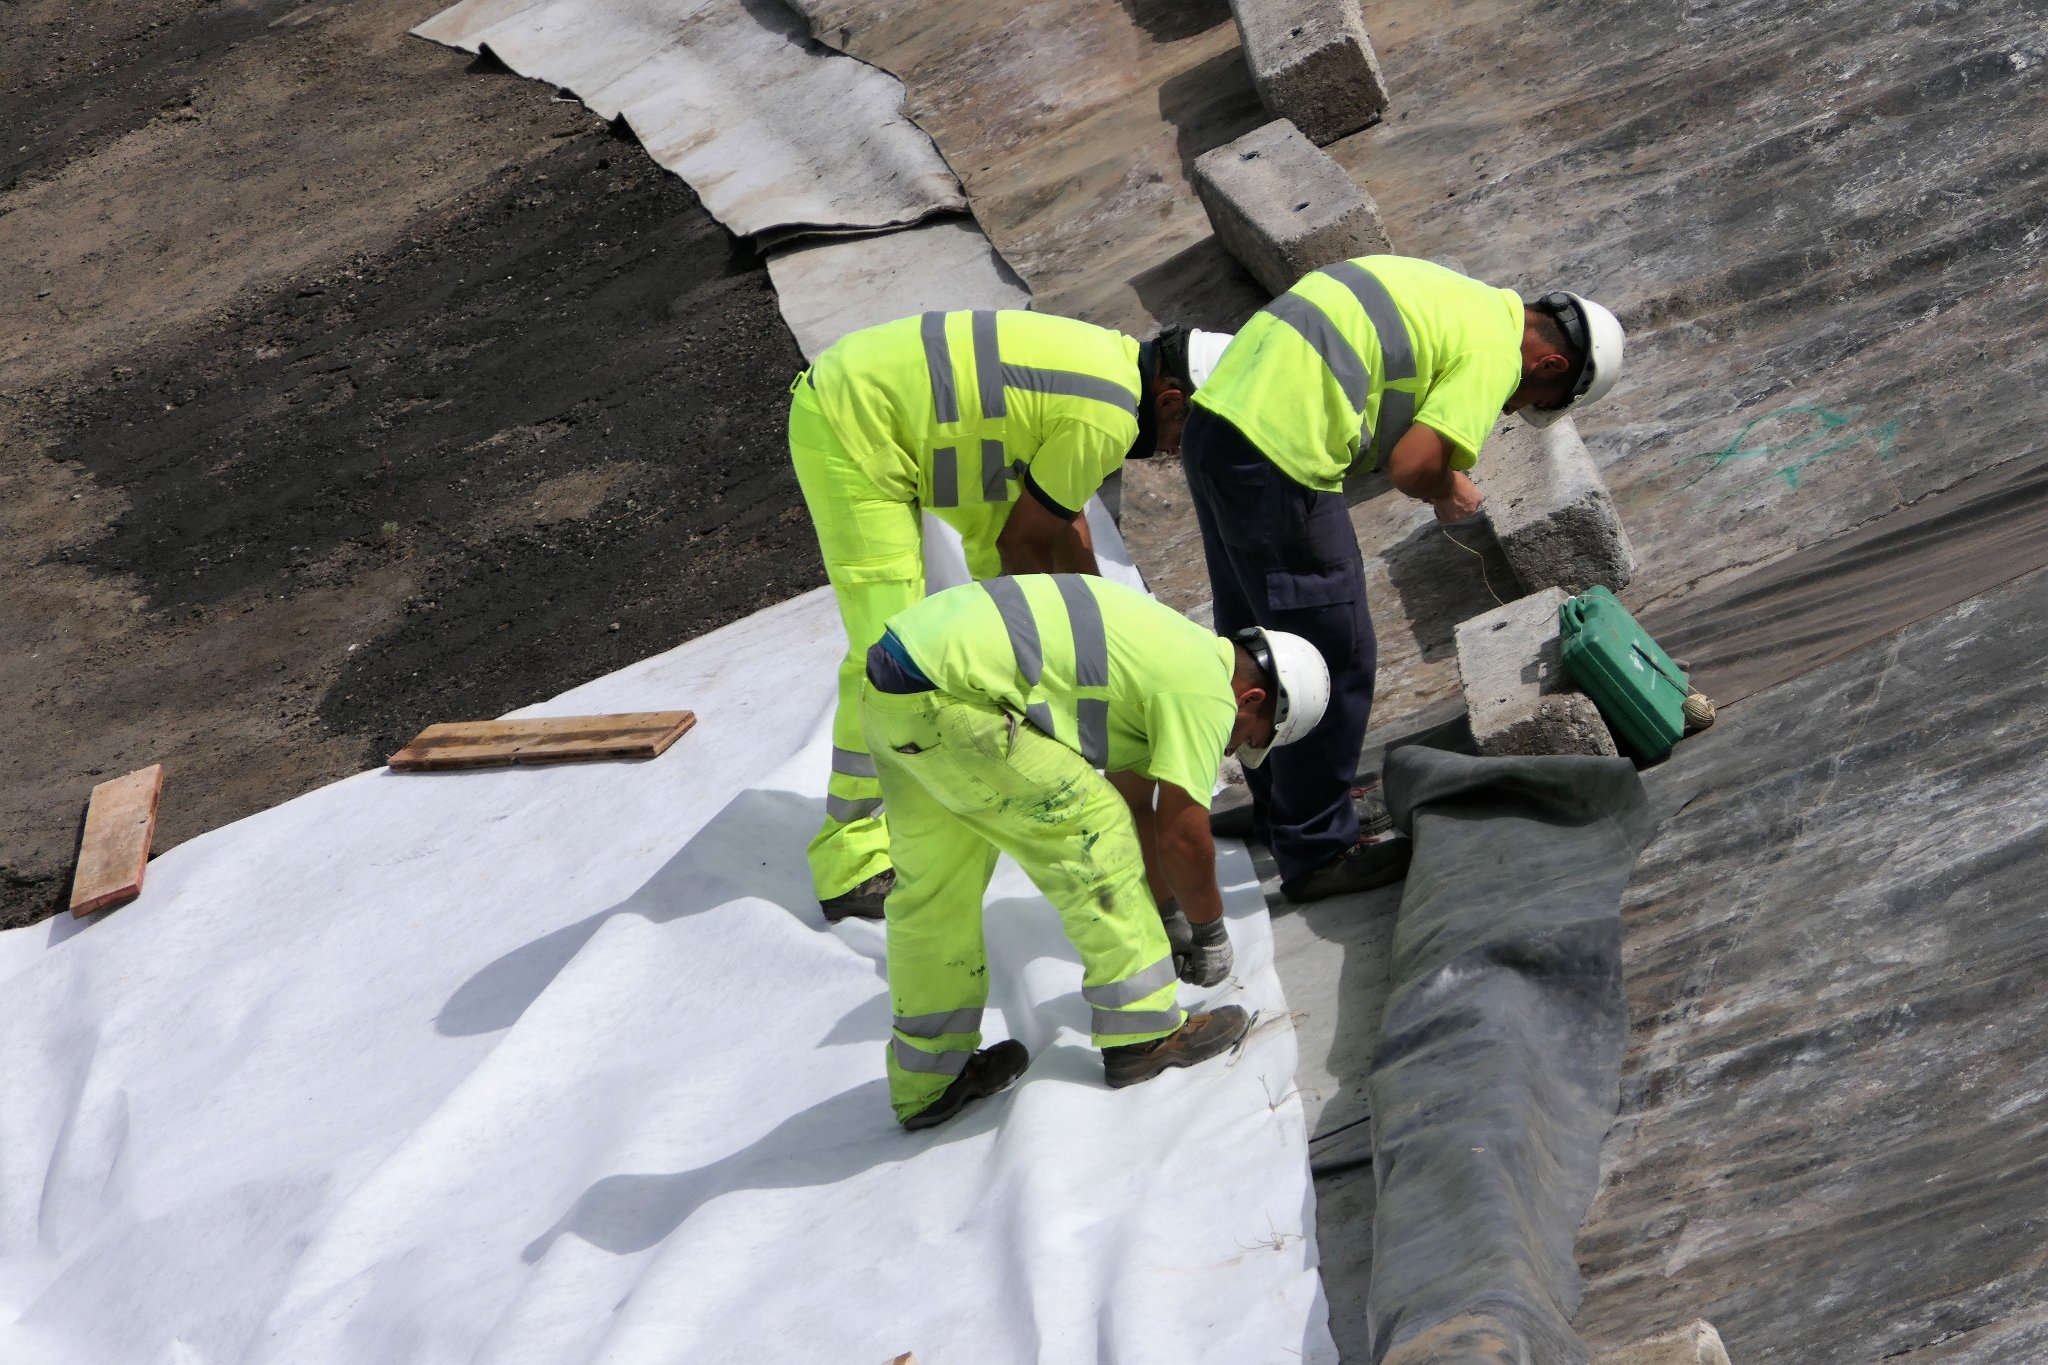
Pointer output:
x,y
864,901
1375,860
1201,1037
988,1072
1371,805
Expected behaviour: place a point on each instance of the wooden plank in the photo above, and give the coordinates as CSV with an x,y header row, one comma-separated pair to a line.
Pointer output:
x,y
547,739
114,852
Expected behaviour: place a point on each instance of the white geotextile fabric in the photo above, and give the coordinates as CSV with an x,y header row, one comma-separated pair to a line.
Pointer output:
x,y
774,131
562,1064
828,287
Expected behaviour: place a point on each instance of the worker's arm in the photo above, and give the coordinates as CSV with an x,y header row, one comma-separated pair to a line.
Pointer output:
x,y
1036,539
1187,856
1420,466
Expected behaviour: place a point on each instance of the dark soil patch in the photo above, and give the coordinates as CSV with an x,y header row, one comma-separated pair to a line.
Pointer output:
x,y
585,315
488,452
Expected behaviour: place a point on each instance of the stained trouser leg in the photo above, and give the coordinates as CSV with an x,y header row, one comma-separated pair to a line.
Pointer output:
x,y
1061,821
938,966
873,551
1287,557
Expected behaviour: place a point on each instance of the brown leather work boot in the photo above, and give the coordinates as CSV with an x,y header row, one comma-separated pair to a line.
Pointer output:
x,y
1203,1036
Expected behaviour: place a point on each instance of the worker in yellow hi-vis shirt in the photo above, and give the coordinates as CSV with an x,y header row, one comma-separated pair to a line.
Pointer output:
x,y
989,709
1003,425
1379,358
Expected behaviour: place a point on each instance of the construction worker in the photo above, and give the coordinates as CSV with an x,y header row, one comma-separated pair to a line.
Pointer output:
x,y
1379,358
988,708
1003,425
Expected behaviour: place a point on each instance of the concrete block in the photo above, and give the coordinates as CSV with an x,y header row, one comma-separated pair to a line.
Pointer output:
x,y
1313,64
1551,510
1696,1343
1518,696
1283,207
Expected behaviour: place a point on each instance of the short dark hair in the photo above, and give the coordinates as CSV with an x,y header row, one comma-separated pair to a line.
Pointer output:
x,y
1170,355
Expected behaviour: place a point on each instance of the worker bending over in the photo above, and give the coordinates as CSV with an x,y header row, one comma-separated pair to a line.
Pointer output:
x,y
1379,358
1003,425
989,708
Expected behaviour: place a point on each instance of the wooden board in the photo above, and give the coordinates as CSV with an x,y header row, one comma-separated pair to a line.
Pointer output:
x,y
550,739
113,854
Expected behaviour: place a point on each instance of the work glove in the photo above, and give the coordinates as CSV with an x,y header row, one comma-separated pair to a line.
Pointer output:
x,y
1180,935
1209,957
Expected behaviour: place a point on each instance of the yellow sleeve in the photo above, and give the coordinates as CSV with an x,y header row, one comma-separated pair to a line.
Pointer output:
x,y
1465,402
1187,733
1074,460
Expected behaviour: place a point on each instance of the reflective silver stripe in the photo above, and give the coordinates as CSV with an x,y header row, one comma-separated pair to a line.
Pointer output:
x,y
1323,337
995,472
1040,716
1091,645
936,1063
1091,723
848,763
1022,625
846,812
938,360
945,477
1110,1023
1070,384
1397,357
1091,666
988,365
939,1025
1132,988
1397,352
1397,414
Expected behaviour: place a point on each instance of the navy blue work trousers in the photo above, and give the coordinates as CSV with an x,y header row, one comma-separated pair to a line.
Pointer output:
x,y
1285,557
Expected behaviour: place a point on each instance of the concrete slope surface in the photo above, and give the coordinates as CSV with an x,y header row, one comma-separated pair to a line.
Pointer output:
x,y
1823,225
563,1064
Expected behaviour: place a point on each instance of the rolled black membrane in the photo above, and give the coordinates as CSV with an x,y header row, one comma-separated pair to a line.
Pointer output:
x,y
1498,1067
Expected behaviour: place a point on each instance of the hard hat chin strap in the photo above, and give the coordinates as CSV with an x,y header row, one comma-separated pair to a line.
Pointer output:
x,y
1571,320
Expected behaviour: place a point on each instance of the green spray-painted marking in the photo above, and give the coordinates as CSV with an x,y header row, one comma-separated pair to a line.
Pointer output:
x,y
1790,439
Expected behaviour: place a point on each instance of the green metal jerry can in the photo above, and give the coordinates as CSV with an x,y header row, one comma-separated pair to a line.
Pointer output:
x,y
1633,682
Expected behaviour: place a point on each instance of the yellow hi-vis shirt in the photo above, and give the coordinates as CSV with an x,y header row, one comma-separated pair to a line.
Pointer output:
x,y
1339,367
1129,684
955,410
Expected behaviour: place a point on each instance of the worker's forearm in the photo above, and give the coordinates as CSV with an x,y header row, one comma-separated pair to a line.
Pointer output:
x,y
1190,865
1423,482
1077,555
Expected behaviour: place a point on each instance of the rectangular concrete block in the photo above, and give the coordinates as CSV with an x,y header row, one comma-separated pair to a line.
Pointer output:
x,y
1283,207
1696,1343
1551,510
1518,696
1312,63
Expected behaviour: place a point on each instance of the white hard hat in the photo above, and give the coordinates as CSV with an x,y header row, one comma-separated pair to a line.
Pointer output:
x,y
1204,350
1597,335
1300,676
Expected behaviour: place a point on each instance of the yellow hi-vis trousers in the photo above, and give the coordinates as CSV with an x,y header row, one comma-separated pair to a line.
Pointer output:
x,y
873,547
965,782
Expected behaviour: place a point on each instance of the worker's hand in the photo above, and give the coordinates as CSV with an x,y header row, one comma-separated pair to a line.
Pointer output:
x,y
1180,935
1209,959
1461,502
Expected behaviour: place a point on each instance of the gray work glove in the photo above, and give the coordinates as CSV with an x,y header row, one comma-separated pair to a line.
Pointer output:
x,y
1209,960
1180,935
